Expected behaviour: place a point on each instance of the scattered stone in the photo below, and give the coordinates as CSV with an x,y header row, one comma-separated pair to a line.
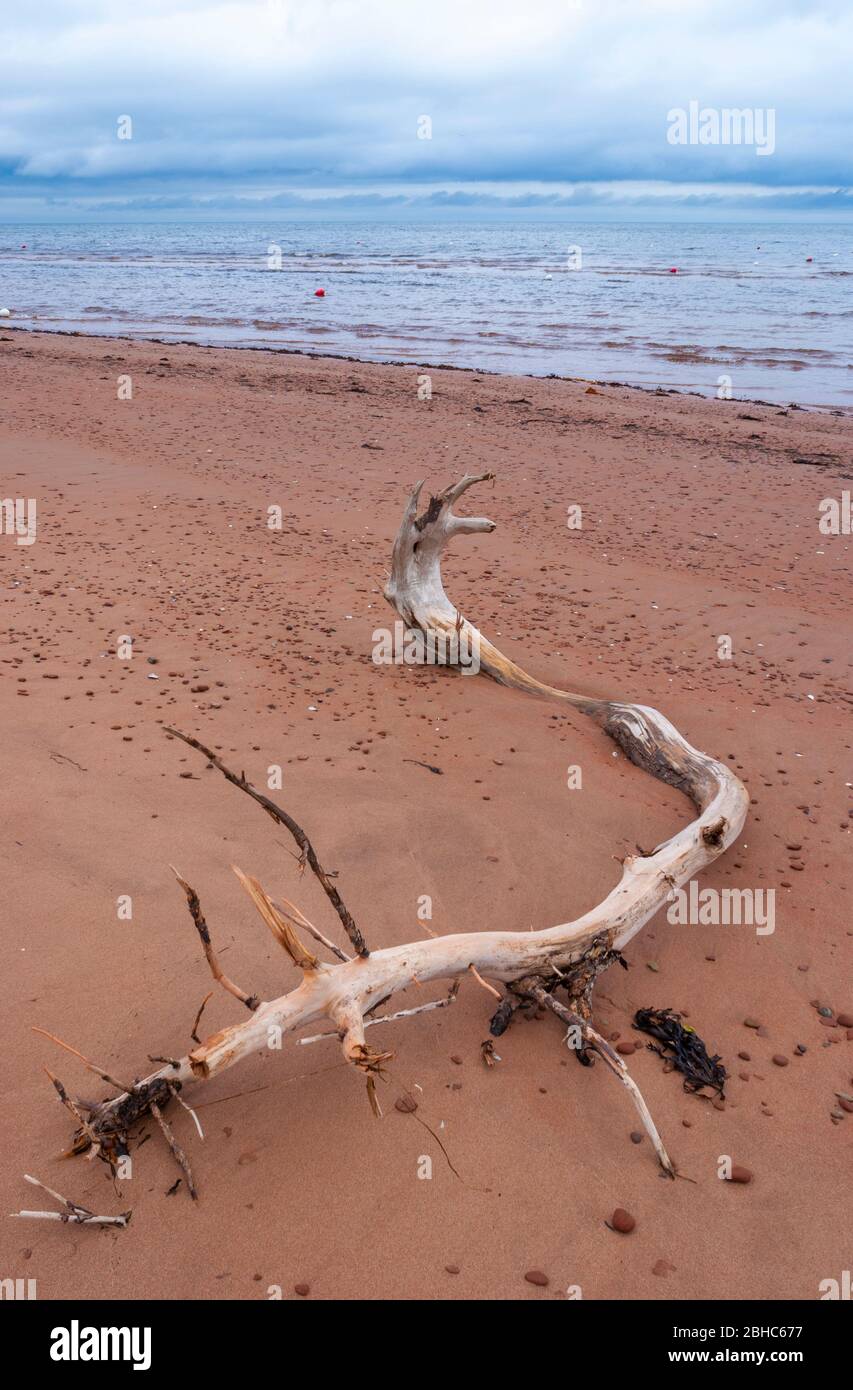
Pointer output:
x,y
456,1059
652,965
626,1049
636,1136
302,1289
535,1276
744,1057
622,1221
662,1268
844,1020
751,1023
452,1269
780,1060
407,1105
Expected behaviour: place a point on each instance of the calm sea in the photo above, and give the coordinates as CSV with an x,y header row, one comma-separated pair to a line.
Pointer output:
x,y
768,307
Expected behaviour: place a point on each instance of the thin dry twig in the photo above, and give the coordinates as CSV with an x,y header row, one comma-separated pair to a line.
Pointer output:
x,y
73,1212
281,817
250,1000
99,1071
177,1152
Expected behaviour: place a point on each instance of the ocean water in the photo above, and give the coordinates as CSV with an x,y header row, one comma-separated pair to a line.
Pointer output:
x,y
576,300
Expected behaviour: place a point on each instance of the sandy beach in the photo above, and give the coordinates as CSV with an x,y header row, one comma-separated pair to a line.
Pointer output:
x,y
700,519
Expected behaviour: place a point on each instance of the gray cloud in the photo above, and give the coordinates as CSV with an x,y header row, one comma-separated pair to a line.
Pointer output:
x,y
274,100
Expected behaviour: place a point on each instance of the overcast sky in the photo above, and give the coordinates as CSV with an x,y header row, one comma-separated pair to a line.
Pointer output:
x,y
533,103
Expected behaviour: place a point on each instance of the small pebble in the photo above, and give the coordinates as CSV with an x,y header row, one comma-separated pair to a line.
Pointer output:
x,y
407,1105
844,1020
636,1137
780,1060
622,1221
740,1174
751,1023
302,1289
535,1276
452,1269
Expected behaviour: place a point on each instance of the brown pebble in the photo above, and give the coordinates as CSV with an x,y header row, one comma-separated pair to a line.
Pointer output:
x,y
407,1105
662,1268
456,1059
780,1060
535,1276
452,1269
744,1057
622,1221
302,1289
846,1105
636,1137
740,1174
751,1023
626,1049
845,1020
744,1075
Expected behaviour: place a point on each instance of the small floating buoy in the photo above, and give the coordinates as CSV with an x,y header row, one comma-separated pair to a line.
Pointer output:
x,y
5,313
809,260
549,277
320,294
673,270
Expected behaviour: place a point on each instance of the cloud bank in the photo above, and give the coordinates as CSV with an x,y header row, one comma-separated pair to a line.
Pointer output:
x,y
314,105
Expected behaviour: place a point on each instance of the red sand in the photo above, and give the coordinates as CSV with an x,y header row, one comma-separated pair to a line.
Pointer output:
x,y
700,518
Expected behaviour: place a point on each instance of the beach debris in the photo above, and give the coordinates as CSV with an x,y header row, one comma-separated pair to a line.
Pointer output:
x,y
71,1212
319,294
740,1174
622,1221
530,965
684,1048
5,313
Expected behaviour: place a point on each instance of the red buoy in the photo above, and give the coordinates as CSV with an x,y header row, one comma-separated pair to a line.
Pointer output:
x,y
673,270
809,259
320,294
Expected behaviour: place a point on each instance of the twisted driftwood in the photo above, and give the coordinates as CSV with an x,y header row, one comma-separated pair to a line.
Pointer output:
x,y
532,966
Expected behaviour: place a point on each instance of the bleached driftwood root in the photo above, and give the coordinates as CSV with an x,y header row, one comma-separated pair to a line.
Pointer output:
x,y
531,965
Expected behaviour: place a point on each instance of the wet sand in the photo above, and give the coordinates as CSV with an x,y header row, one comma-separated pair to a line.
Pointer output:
x,y
700,519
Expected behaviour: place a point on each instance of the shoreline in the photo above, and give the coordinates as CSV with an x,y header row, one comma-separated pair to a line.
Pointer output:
x,y
152,522
817,407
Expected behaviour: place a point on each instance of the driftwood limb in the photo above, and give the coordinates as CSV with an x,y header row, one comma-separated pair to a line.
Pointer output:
x,y
569,956
250,1000
281,817
72,1211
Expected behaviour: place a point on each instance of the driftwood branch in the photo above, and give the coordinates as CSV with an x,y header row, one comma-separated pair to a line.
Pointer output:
x,y
568,956
281,817
71,1211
